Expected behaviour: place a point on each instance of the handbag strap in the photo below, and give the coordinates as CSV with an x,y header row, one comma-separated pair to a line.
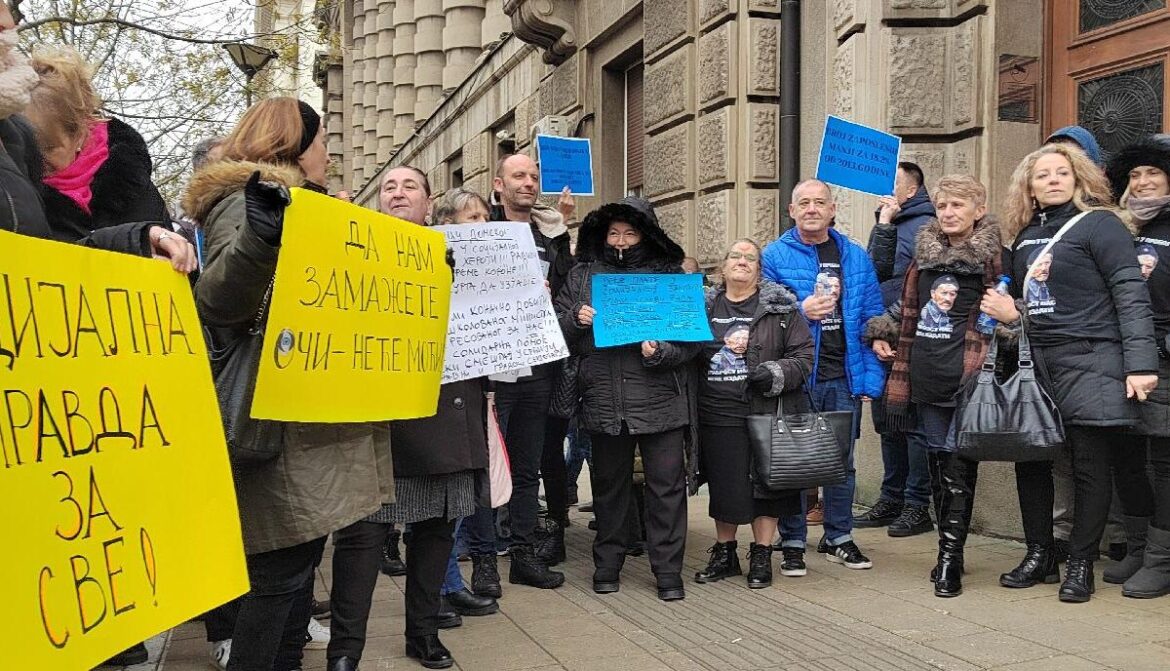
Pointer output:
x,y
1026,347
812,404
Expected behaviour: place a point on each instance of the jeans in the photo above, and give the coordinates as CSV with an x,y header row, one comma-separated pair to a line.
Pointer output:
x,y
274,615
357,557
522,408
453,581
580,451
477,533
837,499
905,476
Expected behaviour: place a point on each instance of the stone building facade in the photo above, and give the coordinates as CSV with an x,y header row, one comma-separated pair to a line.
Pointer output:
x,y
681,99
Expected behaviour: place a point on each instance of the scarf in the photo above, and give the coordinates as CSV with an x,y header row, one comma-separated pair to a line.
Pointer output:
x,y
975,344
75,181
1145,209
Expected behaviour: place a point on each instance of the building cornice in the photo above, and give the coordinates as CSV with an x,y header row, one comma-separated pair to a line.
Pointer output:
x,y
548,24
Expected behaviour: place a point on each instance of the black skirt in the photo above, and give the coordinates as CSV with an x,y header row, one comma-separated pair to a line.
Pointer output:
x,y
726,458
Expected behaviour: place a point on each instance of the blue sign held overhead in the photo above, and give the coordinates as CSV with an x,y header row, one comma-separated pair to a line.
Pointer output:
x,y
858,157
565,161
636,307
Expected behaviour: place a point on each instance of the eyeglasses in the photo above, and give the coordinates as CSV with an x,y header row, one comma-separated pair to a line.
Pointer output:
x,y
751,258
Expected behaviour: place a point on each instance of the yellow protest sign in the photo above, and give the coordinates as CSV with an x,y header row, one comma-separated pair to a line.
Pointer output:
x,y
120,516
358,319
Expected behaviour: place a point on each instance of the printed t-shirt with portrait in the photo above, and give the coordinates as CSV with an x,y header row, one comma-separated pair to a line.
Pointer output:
x,y
1153,243
722,401
1036,294
831,361
946,301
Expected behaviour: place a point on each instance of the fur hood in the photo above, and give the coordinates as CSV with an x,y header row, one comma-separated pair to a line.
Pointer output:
x,y
1152,150
933,249
774,298
220,179
637,213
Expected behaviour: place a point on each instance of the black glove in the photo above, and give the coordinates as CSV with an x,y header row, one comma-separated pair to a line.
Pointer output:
x,y
264,204
451,262
760,379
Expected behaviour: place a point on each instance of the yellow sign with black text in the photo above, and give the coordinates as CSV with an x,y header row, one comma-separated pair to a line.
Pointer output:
x,y
358,319
120,516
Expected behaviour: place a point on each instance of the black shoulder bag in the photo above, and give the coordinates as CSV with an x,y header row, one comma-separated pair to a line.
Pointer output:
x,y
799,451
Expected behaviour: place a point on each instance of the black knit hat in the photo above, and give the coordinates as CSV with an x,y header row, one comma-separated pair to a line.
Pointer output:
x,y
311,124
1152,150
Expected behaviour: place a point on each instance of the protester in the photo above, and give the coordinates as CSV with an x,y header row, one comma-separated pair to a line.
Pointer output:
x,y
762,350
905,493
1139,174
838,291
930,336
1081,138
633,396
327,476
1093,343
690,265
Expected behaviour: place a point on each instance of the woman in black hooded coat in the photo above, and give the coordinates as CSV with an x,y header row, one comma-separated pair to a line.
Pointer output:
x,y
632,396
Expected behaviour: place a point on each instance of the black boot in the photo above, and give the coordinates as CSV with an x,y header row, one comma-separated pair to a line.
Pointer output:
x,y
882,513
759,566
392,563
724,563
528,569
956,500
1153,579
485,575
466,603
550,547
948,574
447,618
1136,529
607,580
1078,581
429,651
1038,566
670,586
342,664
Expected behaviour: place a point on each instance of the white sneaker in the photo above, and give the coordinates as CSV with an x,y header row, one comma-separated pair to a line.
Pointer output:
x,y
220,652
318,635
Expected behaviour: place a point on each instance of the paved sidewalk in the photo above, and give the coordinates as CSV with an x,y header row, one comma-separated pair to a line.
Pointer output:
x,y
834,619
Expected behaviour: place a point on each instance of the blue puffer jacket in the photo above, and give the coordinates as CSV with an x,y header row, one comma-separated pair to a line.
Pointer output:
x,y
791,262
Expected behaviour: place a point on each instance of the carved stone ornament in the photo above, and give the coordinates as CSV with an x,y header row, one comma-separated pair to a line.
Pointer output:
x,y
547,24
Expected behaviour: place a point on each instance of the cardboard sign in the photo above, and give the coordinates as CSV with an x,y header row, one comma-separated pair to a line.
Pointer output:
x,y
502,317
858,157
358,318
635,307
120,515
565,161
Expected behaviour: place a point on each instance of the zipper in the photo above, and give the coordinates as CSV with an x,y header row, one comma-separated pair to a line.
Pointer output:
x,y
12,208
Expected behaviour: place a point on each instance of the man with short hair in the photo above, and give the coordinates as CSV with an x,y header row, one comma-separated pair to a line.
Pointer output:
x,y
845,372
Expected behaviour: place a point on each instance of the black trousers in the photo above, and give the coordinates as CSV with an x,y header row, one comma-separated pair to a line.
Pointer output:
x,y
221,622
357,558
522,408
1097,453
666,500
426,566
274,616
1034,490
1160,466
553,471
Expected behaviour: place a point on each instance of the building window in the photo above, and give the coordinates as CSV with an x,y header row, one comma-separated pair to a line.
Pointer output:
x,y
1096,14
1122,107
635,131
455,170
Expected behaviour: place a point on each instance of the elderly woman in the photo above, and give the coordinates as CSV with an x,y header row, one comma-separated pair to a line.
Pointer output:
x,y
956,258
1139,173
762,350
1093,344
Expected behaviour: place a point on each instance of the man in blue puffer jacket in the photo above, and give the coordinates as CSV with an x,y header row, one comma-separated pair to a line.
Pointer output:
x,y
838,290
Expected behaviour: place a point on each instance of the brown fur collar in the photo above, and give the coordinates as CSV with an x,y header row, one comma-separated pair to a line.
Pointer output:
x,y
934,250
220,179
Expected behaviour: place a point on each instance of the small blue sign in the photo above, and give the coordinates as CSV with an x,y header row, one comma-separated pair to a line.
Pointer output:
x,y
637,306
565,161
858,157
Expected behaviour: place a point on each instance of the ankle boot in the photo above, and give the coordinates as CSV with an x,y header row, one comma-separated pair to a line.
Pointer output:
x,y
528,569
1078,581
759,566
670,586
485,575
429,651
1153,578
724,563
1038,566
392,564
1135,545
551,547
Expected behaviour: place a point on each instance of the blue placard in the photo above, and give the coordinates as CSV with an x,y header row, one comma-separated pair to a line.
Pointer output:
x,y
858,157
565,161
636,307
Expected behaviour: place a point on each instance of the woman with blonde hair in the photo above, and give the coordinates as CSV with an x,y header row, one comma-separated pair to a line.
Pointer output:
x,y
1088,317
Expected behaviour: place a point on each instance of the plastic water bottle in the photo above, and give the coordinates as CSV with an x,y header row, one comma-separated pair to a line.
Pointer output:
x,y
986,323
824,287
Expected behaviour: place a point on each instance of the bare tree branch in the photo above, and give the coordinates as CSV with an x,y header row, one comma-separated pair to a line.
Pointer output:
x,y
77,23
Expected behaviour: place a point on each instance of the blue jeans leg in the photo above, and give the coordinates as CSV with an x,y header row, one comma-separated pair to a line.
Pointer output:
x,y
838,499
453,581
895,466
478,532
580,451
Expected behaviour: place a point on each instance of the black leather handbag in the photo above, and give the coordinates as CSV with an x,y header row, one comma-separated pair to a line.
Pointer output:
x,y
235,360
801,450
1013,420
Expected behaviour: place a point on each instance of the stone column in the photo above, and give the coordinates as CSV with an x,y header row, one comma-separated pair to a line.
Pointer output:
x,y
370,94
495,23
335,121
385,128
404,62
461,39
428,46
357,108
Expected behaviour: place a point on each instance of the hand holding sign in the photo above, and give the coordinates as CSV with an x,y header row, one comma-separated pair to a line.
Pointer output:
x,y
858,157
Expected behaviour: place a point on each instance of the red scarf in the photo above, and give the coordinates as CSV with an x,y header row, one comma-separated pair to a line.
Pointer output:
x,y
75,180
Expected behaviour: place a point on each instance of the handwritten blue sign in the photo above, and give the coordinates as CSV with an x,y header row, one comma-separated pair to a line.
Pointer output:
x,y
858,157
565,161
636,307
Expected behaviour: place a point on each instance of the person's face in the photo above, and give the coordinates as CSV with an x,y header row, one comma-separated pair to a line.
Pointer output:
x,y
315,160
742,264
813,208
622,235
944,296
520,183
1052,180
1146,181
1147,263
58,148
403,196
957,216
1043,268
904,186
835,283
472,213
737,342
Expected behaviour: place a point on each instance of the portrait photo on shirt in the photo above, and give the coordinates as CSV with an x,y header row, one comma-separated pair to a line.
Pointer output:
x,y
1147,256
729,361
1036,290
943,293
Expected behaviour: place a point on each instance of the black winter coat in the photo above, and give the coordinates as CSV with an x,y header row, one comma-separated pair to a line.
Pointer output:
x,y
891,246
617,384
453,439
